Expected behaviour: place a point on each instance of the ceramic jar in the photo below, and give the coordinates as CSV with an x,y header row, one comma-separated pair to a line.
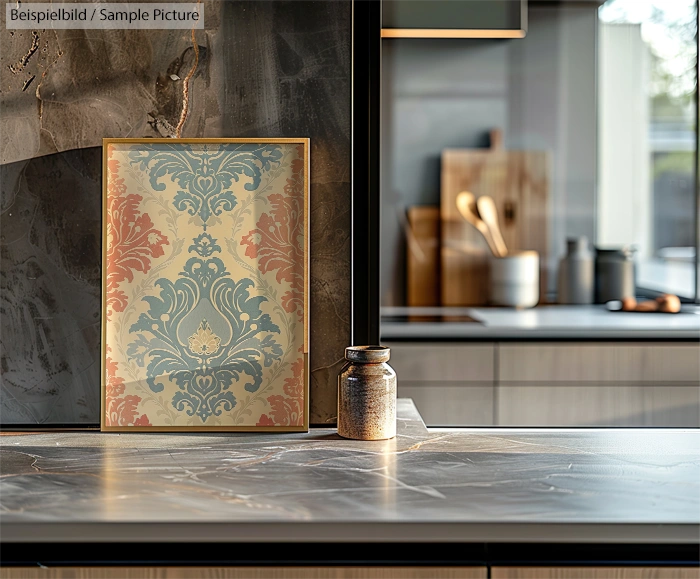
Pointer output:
x,y
367,394
515,280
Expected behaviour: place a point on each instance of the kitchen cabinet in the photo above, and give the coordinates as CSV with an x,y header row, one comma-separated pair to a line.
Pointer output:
x,y
452,403
594,384
443,362
599,362
244,573
451,384
454,18
595,573
566,404
551,384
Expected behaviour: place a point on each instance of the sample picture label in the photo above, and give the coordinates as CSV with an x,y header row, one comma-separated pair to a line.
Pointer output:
x,y
114,16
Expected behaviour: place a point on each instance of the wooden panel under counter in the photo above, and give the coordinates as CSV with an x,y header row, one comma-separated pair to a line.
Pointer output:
x,y
595,573
450,383
602,362
244,573
451,403
598,404
451,362
598,384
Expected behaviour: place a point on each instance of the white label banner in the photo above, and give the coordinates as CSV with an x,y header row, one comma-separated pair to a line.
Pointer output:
x,y
108,16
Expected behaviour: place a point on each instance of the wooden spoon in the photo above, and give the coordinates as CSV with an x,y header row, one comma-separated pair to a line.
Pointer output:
x,y
489,215
466,205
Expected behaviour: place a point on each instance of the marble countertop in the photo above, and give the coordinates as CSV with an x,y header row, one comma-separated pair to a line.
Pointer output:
x,y
513,485
543,322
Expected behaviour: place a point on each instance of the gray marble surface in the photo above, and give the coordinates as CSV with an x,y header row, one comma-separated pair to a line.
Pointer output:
x,y
545,322
452,485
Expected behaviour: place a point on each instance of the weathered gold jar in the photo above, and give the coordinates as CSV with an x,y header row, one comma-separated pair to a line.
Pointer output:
x,y
367,394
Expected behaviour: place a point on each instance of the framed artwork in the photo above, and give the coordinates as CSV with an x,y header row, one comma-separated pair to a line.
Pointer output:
x,y
205,312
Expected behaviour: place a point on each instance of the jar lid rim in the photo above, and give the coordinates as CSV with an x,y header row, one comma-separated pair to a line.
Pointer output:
x,y
367,353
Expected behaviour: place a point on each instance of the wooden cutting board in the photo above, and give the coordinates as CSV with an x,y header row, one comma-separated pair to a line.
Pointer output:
x,y
519,182
423,256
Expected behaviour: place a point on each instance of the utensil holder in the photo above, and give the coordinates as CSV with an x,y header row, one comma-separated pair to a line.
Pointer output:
x,y
515,280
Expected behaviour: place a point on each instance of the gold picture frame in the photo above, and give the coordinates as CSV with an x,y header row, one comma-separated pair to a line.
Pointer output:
x,y
204,300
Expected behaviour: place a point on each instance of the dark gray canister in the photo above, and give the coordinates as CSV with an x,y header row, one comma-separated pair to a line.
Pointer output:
x,y
614,274
576,273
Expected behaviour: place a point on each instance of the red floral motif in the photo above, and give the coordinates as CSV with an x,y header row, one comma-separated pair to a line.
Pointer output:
x,y
278,240
288,410
131,240
120,411
265,420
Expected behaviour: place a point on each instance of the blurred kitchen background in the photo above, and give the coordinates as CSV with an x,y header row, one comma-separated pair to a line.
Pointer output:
x,y
584,127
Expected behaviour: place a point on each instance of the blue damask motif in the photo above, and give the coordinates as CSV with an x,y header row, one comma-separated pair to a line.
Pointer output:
x,y
204,245
205,174
204,332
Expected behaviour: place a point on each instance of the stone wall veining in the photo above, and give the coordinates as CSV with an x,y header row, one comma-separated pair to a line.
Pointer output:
x,y
268,69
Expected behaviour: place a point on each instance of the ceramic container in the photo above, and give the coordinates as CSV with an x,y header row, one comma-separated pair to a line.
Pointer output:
x,y
515,280
367,394
576,275
614,274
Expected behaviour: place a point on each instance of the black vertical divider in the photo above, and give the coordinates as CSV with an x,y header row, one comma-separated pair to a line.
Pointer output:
x,y
366,38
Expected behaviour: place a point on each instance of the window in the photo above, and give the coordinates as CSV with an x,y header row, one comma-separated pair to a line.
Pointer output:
x,y
647,138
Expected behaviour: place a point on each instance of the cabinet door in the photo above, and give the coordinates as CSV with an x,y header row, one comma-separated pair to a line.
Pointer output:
x,y
442,362
602,404
598,384
595,573
244,573
600,362
451,403
451,384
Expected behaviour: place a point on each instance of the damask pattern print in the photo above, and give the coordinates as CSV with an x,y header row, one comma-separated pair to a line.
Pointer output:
x,y
121,410
205,176
205,335
289,409
278,240
132,241
177,334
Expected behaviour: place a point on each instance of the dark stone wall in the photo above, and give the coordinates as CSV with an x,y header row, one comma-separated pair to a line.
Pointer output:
x,y
287,73
50,253
268,69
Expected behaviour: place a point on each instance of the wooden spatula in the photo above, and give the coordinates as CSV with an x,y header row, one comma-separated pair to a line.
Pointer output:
x,y
489,215
466,205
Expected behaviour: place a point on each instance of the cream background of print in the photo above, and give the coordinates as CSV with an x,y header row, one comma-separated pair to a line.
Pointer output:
x,y
183,390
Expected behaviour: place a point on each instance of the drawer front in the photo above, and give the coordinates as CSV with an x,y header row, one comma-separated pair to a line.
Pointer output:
x,y
523,404
433,362
592,362
454,404
244,573
595,572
